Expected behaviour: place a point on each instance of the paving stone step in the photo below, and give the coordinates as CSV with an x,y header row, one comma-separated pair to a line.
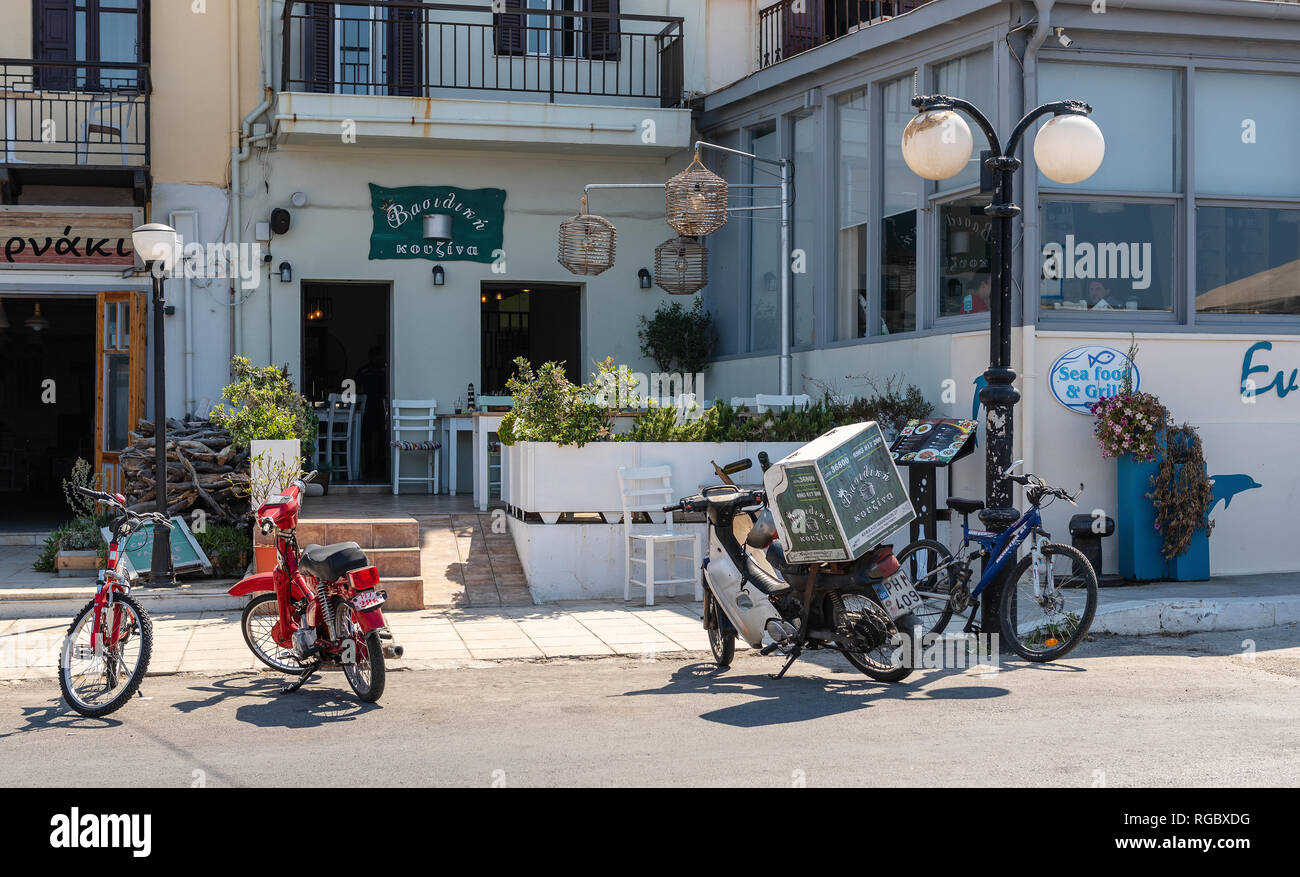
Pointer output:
x,y
366,532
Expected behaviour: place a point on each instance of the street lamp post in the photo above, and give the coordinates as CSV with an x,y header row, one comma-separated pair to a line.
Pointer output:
x,y
157,244
937,145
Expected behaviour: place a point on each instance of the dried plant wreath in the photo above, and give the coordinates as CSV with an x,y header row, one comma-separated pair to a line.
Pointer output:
x,y
1181,490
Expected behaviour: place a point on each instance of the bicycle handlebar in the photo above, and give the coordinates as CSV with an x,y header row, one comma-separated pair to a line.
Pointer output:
x,y
111,499
1042,488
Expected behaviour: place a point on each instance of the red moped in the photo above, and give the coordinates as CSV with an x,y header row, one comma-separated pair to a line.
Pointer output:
x,y
320,604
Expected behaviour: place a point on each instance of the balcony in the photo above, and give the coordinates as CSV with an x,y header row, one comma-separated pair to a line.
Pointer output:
x,y
74,124
784,32
457,74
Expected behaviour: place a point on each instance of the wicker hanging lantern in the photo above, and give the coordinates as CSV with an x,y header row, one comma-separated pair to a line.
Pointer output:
x,y
696,200
587,242
681,266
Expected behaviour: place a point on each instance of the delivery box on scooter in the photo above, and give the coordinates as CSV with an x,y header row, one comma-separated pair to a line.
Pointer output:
x,y
838,496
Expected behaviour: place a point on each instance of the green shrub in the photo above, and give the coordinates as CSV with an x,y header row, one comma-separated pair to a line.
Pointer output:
x,y
229,548
678,339
264,405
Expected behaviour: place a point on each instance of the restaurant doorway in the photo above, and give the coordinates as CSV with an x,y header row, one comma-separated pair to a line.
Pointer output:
x,y
346,345
541,322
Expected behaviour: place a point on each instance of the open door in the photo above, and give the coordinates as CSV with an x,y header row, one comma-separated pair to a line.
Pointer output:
x,y
119,378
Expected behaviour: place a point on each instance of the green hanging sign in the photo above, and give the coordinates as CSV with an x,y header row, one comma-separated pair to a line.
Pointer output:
x,y
477,223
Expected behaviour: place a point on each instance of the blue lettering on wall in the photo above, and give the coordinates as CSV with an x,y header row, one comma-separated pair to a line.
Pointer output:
x,y
1251,387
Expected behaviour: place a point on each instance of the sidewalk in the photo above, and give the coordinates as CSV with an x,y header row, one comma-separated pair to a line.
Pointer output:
x,y
210,641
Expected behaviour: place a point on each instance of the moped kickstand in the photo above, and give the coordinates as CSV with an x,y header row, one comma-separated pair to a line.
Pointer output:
x,y
794,656
291,687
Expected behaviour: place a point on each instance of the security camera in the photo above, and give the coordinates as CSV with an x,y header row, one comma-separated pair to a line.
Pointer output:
x,y
1062,38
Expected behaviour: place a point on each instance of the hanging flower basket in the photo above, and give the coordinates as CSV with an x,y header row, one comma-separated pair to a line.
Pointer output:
x,y
696,200
587,243
681,266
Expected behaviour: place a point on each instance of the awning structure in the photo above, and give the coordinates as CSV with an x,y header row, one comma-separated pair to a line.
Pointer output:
x,y
1275,291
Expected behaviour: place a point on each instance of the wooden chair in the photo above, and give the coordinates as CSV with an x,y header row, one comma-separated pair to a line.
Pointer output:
x,y
338,449
649,489
415,430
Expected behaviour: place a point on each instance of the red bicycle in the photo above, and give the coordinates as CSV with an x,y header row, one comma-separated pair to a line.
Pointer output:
x,y
106,652
320,604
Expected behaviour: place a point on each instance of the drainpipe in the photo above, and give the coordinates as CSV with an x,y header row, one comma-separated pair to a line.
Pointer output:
x,y
186,222
1029,238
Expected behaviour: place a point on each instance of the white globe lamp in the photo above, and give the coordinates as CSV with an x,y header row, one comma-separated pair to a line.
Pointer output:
x,y
1069,148
937,144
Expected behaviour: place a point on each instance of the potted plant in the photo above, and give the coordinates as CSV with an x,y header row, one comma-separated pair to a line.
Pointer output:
x,y
678,339
1181,495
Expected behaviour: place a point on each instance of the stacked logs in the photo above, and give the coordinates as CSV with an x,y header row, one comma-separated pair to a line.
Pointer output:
x,y
204,471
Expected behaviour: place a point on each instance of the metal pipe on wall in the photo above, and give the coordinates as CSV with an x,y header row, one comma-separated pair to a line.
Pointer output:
x,y
186,224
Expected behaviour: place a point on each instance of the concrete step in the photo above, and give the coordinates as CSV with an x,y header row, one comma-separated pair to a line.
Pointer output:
x,y
359,489
404,592
66,602
23,539
395,562
366,532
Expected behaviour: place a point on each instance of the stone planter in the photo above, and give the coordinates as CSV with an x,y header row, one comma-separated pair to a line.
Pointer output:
x,y
77,563
1141,545
275,454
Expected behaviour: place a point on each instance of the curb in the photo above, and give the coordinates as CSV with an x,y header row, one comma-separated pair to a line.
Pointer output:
x,y
56,603
1183,615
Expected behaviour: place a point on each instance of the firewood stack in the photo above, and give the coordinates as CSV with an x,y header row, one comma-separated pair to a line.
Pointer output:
x,y
204,471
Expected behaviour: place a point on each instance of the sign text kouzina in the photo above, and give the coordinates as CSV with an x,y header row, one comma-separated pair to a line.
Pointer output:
x,y
477,219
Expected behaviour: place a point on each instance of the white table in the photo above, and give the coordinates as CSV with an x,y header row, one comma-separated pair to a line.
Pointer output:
x,y
452,426
484,424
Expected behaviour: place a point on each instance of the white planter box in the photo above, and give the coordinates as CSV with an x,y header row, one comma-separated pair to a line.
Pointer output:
x,y
275,453
549,480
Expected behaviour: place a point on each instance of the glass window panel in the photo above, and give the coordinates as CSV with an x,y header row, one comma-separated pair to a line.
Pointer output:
x,y
854,188
117,383
970,78
765,249
1246,134
1139,112
723,297
804,287
1247,260
124,325
1107,255
110,325
898,233
965,256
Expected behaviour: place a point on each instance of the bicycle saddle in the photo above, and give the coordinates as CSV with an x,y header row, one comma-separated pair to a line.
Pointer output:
x,y
965,506
329,563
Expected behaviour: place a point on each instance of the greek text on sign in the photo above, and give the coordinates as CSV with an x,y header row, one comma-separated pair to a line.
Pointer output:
x,y
1085,374
477,220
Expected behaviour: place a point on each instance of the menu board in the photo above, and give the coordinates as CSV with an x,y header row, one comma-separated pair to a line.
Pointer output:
x,y
936,441
137,550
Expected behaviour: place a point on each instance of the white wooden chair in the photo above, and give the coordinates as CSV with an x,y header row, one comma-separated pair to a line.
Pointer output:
x,y
649,489
415,430
494,446
338,449
780,403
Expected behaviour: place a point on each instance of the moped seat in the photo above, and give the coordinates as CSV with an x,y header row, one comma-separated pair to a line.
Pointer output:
x,y
965,506
331,562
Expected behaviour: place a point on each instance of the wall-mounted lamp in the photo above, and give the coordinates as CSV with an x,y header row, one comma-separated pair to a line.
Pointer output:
x,y
439,275
644,277
299,199
286,272
437,226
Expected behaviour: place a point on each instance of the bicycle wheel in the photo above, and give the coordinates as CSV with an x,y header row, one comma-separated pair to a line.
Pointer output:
x,y
866,636
722,636
366,673
1049,625
920,560
95,685
260,617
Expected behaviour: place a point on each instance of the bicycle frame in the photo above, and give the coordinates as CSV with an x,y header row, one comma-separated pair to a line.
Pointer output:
x,y
1002,547
111,581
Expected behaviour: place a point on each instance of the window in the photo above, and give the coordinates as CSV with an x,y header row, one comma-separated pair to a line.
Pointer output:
x,y
1139,112
965,257
803,283
1246,133
560,36
901,190
971,78
764,247
358,68
352,48
854,188
1247,260
93,31
1101,256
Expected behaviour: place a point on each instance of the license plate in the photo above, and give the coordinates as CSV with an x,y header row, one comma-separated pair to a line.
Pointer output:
x,y
367,600
897,595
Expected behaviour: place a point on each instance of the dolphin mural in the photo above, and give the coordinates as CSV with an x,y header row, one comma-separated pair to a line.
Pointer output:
x,y
1225,487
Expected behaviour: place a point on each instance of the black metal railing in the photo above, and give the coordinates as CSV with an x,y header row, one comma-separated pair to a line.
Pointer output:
x,y
74,113
789,27
397,47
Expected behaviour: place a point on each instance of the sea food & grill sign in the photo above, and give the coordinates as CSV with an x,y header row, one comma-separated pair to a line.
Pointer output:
x,y
477,220
1085,374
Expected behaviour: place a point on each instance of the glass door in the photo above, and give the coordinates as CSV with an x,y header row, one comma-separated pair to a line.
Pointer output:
x,y
119,378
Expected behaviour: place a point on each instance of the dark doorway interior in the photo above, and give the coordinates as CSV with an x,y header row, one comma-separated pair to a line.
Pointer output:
x,y
539,321
345,336
44,427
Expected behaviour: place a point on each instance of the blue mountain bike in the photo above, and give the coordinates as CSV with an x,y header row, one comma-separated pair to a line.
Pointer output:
x,y
1049,596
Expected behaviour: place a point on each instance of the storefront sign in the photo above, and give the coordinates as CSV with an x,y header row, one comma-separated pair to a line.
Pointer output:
x,y
71,238
1279,382
478,217
1085,374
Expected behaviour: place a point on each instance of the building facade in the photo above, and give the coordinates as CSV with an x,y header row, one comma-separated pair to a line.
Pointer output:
x,y
1187,239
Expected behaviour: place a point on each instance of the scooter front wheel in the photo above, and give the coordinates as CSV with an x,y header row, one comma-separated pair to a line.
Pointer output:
x,y
722,636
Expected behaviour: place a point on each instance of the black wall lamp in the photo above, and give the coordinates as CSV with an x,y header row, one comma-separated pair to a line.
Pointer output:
x,y
439,276
286,272
644,277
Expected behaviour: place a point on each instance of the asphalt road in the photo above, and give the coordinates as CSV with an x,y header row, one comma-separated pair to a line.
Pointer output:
x,y
1153,711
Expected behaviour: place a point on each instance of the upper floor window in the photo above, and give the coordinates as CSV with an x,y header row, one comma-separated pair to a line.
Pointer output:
x,y
594,37
1246,133
97,32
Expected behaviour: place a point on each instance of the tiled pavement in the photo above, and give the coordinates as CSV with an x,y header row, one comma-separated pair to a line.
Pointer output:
x,y
464,564
210,642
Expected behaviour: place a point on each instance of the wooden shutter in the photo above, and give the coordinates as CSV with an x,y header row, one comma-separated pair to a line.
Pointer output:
x,y
318,48
405,51
801,31
602,33
55,40
508,29
126,341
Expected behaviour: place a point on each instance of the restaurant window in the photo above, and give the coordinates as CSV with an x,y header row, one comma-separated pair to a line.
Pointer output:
x,y
1107,256
764,246
971,78
964,257
1246,133
1247,260
803,283
94,31
854,188
900,190
1139,111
